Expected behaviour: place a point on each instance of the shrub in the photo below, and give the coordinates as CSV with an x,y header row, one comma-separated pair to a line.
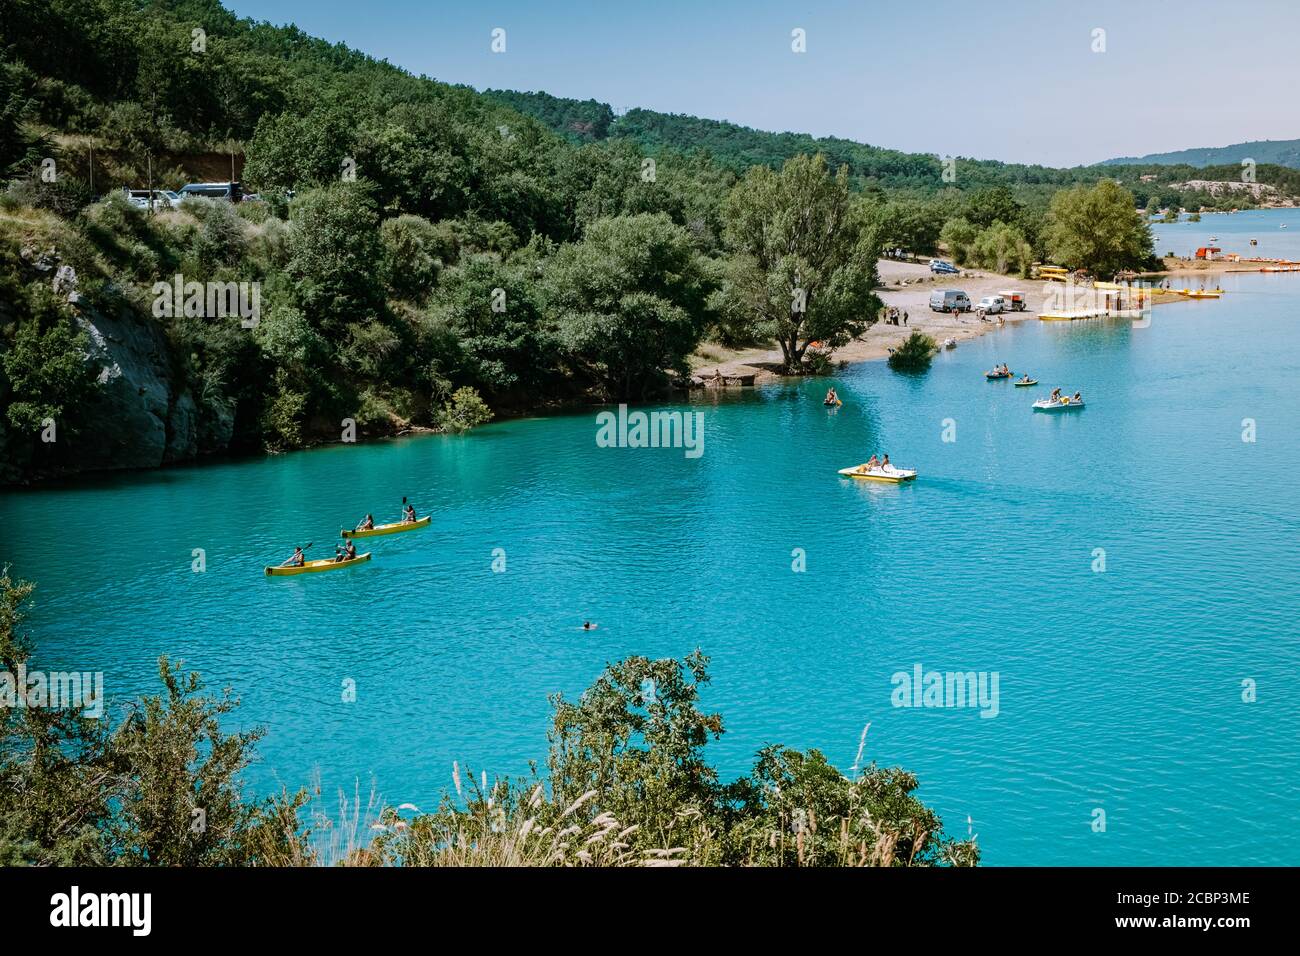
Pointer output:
x,y
465,410
282,417
413,247
49,376
914,354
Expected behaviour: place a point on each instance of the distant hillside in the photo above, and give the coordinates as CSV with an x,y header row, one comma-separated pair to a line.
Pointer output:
x,y
1281,152
739,147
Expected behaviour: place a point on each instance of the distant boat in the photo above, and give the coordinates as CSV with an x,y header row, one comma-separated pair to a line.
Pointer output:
x,y
1214,238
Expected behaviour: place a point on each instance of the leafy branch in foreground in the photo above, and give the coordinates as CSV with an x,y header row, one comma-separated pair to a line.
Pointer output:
x,y
626,784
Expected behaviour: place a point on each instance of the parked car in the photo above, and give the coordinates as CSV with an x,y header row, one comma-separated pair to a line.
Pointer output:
x,y
949,300
939,267
229,191
991,305
1017,301
159,199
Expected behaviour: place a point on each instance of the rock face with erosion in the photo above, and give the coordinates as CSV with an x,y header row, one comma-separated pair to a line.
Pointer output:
x,y
138,417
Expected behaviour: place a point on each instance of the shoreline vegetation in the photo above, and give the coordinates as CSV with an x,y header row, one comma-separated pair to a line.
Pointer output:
x,y
417,256
626,782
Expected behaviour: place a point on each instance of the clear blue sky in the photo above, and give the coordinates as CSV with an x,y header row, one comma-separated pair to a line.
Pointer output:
x,y
1004,79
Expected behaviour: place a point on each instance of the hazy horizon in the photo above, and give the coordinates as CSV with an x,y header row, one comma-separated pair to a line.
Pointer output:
x,y
1019,83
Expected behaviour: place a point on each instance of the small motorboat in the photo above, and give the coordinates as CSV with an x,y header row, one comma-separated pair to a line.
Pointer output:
x,y
992,375
1059,405
890,474
1032,381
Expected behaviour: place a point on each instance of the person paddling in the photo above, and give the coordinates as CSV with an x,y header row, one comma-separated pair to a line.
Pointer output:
x,y
408,511
368,524
297,561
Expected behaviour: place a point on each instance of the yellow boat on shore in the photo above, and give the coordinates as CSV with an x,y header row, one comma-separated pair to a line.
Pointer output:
x,y
1203,293
393,528
324,564
1073,315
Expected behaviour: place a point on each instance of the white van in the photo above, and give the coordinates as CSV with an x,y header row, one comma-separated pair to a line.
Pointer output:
x,y
949,300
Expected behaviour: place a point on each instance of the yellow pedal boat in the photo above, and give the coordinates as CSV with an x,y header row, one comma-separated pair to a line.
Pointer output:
x,y
893,475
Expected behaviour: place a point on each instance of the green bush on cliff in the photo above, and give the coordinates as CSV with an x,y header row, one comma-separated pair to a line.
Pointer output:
x,y
465,410
48,375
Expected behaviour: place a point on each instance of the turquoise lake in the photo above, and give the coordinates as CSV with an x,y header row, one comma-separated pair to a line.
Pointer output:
x,y
1120,690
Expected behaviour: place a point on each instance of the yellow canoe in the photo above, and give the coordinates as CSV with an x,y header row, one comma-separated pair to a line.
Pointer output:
x,y
393,528
894,476
324,564
1202,293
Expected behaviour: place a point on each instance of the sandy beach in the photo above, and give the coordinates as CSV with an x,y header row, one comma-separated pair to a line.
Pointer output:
x,y
905,286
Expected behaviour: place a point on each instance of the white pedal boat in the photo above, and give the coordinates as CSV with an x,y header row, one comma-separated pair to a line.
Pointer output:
x,y
1047,405
891,474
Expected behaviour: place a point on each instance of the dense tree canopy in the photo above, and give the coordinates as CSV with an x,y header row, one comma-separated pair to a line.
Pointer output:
x,y
805,264
1098,228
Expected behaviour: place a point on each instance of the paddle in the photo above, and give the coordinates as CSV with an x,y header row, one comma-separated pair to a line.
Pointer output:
x,y
304,550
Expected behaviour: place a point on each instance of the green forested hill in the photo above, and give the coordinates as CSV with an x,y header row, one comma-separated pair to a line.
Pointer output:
x,y
739,147
421,248
1281,152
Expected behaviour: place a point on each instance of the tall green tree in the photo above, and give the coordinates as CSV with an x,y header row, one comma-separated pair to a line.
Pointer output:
x,y
804,261
1098,228
336,257
628,303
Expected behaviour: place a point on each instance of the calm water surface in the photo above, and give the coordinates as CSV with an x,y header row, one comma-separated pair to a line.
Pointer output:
x,y
1119,690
